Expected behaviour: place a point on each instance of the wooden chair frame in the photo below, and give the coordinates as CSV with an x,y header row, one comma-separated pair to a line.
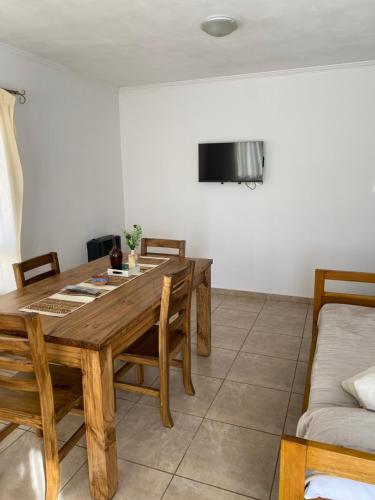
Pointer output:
x,y
298,455
174,319
23,337
21,268
180,245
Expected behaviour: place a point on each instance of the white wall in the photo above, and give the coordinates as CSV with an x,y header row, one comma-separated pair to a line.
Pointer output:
x,y
69,141
316,207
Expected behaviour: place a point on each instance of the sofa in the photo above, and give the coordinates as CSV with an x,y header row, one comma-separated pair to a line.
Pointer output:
x,y
333,453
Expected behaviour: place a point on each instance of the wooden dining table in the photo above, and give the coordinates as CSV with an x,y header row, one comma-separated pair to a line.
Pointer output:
x,y
92,336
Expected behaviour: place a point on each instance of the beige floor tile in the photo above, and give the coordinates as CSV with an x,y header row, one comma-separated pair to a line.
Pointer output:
x,y
136,482
216,365
22,471
264,371
142,438
304,352
233,318
11,438
279,346
228,337
69,424
242,303
310,310
216,301
185,489
193,332
307,331
275,486
250,406
205,392
278,324
294,413
286,308
300,378
150,375
275,490
237,459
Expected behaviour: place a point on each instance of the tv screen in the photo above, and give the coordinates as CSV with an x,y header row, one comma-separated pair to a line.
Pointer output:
x,y
231,162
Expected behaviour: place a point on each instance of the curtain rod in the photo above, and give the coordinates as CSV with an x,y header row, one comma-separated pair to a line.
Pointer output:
x,y
20,93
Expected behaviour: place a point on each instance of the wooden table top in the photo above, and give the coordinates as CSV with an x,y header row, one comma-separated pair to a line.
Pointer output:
x,y
93,325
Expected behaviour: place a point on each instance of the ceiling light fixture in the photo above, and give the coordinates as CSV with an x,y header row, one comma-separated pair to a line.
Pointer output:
x,y
219,25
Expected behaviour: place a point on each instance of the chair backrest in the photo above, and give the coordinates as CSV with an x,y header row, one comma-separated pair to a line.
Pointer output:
x,y
147,243
22,349
21,268
176,299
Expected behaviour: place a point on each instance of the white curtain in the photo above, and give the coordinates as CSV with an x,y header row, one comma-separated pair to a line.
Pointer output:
x,y
11,193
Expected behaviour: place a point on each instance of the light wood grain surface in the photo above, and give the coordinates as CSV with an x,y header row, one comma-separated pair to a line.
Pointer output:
x,y
94,325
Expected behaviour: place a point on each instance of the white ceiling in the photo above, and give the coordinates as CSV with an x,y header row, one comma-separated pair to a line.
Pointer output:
x,y
129,42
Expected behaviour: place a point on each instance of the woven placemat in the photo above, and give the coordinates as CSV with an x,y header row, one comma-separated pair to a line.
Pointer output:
x,y
62,303
54,307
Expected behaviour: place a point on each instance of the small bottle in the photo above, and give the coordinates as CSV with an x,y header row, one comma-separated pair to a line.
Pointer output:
x,y
115,255
132,259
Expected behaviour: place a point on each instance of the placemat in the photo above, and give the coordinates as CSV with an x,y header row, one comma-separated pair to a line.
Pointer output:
x,y
63,302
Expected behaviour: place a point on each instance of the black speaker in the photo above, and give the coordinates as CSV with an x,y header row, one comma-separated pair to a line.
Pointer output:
x,y
99,247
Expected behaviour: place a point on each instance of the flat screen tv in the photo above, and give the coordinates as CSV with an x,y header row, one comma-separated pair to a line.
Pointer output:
x,y
231,162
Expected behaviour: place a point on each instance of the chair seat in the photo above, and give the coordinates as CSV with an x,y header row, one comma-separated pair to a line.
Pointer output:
x,y
23,407
148,344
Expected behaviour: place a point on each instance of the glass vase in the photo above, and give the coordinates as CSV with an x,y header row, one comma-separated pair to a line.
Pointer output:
x,y
132,259
115,256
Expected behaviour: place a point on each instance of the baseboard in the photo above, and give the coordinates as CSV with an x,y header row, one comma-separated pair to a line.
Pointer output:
x,y
264,296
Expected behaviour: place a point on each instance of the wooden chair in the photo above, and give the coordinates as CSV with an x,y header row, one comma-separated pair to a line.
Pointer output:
x,y
162,243
160,345
38,395
21,268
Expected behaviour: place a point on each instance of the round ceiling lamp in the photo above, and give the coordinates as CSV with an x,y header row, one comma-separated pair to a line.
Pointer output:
x,y
219,25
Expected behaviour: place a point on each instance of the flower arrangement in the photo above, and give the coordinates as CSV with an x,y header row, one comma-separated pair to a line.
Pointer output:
x,y
133,237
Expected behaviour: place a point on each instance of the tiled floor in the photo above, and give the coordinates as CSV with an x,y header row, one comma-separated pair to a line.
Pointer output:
x,y
225,441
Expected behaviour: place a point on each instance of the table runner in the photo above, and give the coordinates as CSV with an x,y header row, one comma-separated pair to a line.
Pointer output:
x,y
62,303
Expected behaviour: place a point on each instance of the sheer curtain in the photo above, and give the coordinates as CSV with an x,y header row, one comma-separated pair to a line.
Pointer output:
x,y
11,193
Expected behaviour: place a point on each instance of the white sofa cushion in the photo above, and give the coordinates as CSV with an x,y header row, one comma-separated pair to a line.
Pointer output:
x,y
362,388
346,346
342,426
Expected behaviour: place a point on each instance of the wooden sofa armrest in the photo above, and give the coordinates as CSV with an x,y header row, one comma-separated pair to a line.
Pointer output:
x,y
298,455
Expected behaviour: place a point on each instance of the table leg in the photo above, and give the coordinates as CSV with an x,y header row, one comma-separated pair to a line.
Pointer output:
x,y
204,314
98,397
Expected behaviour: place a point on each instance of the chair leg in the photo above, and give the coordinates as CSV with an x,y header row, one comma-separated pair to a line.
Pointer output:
x,y
51,464
164,386
139,374
186,367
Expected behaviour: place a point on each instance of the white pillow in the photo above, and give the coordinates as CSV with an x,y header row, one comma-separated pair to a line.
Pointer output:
x,y
362,388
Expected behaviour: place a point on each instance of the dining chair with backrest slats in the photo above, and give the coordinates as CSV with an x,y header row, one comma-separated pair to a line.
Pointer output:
x,y
147,243
21,268
38,394
159,346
